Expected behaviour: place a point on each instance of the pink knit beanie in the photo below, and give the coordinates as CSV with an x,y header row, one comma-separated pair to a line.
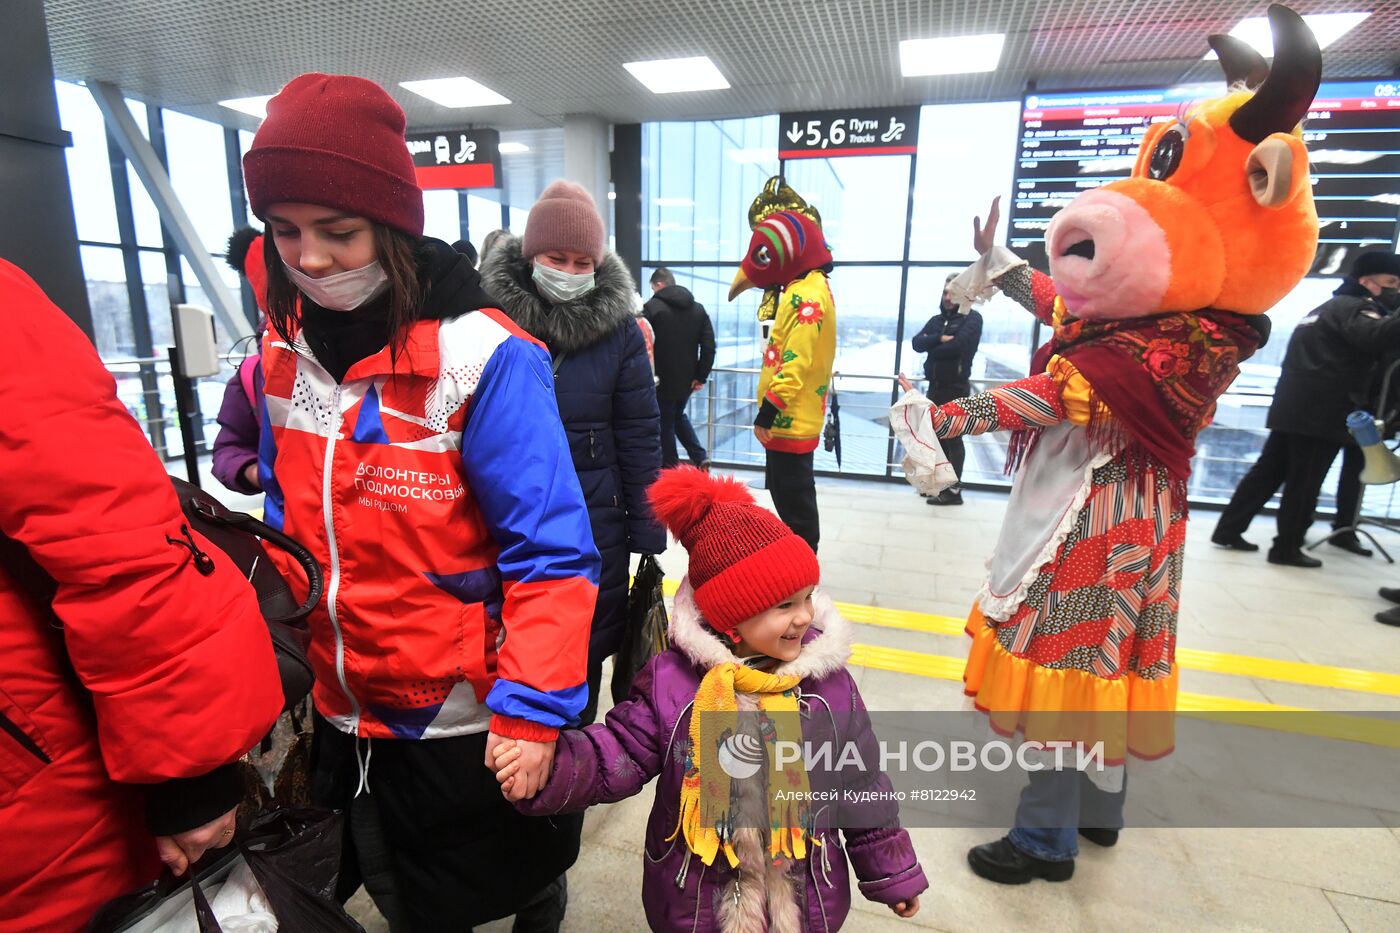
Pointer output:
x,y
564,217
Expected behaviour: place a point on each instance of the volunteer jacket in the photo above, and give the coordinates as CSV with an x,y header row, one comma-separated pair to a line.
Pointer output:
x,y
436,488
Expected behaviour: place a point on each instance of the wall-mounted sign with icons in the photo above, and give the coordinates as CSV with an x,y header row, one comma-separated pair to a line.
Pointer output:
x,y
832,134
457,158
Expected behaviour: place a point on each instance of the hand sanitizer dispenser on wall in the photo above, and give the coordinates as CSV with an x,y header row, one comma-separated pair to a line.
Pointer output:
x,y
194,341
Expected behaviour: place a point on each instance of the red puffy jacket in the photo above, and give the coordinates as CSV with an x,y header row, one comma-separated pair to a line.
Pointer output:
x,y
143,670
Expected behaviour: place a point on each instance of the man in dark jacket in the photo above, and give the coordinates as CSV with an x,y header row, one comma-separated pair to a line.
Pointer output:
x,y
685,351
950,339
1326,372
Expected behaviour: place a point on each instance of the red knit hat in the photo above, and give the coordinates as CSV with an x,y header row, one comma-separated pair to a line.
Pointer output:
x,y
564,217
743,559
336,141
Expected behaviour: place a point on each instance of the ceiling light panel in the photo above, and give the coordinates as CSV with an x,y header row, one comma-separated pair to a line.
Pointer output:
x,y
950,55
455,93
673,75
1326,27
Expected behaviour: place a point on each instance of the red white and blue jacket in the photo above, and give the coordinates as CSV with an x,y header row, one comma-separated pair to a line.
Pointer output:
x,y
438,492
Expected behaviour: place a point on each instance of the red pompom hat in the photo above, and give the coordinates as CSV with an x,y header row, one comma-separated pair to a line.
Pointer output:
x,y
743,559
336,141
255,271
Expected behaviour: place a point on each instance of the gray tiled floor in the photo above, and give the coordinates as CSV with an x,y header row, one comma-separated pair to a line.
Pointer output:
x,y
883,546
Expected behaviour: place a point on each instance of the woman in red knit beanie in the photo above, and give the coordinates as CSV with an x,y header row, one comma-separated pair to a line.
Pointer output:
x,y
410,439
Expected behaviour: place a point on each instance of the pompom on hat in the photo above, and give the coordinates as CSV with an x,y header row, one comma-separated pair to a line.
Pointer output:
x,y
743,559
564,217
335,141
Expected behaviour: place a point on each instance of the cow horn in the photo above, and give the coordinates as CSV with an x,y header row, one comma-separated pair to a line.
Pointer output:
x,y
1285,96
1241,62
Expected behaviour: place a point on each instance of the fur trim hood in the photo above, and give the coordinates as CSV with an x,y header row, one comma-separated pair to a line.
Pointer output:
x,y
568,327
824,651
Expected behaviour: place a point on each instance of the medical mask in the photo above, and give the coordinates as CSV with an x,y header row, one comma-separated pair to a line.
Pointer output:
x,y
344,291
560,287
1389,298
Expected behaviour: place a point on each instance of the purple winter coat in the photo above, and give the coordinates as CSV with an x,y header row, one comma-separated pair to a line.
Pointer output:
x,y
610,761
236,446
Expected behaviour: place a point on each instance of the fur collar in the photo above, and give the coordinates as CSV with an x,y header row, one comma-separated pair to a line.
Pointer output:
x,y
568,327
821,655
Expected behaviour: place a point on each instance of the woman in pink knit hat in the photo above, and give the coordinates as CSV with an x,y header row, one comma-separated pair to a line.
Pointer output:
x,y
561,284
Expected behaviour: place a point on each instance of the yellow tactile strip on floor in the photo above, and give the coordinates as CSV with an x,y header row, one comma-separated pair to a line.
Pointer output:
x,y
1294,672
1341,726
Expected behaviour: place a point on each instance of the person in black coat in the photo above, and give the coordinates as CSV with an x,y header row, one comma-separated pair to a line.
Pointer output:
x,y
1327,370
685,352
950,339
560,284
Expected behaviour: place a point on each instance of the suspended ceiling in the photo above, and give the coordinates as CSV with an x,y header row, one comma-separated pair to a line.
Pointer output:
x,y
566,56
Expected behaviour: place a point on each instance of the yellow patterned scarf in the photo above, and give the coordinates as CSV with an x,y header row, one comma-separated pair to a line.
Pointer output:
x,y
707,794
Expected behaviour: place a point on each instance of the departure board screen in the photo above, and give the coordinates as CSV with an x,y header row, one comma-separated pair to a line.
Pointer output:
x,y
1072,142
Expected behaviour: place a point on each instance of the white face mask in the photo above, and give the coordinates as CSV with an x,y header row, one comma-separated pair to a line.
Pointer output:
x,y
344,291
559,287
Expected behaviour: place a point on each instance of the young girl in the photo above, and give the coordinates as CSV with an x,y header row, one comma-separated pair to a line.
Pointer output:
x,y
411,440
748,634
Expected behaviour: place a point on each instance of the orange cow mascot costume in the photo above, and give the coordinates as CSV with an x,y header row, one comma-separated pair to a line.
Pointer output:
x,y
1157,291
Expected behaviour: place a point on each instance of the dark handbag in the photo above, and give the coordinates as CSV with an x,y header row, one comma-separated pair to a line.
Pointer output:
x,y
294,854
831,434
242,538
646,635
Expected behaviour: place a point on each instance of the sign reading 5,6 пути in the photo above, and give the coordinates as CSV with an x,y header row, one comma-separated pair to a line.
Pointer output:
x,y
835,133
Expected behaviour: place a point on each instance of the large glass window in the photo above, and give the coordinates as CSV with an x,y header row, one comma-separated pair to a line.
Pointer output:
x,y
863,203
199,174
111,308
698,180
441,216
89,169
967,154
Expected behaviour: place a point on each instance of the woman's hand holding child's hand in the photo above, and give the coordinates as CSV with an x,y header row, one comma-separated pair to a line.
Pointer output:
x,y
522,767
906,909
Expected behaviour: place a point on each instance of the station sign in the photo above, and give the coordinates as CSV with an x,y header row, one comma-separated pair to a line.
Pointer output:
x,y
831,134
456,158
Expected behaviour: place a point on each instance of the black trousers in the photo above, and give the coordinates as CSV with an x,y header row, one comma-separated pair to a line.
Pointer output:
x,y
794,490
1298,464
433,841
675,425
1349,487
952,447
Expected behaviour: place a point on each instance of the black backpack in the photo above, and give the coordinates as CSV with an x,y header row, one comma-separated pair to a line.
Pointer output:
x,y
242,539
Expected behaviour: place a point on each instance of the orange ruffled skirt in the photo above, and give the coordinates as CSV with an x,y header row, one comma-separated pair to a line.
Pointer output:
x,y
1129,715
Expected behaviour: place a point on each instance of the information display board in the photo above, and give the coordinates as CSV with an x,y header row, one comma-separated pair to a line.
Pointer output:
x,y
1072,142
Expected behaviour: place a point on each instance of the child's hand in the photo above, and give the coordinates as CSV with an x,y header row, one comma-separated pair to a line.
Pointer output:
x,y
905,384
524,769
906,909
506,764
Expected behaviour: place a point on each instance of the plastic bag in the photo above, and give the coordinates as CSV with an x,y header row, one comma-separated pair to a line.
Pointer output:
x,y
925,465
293,854
646,636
